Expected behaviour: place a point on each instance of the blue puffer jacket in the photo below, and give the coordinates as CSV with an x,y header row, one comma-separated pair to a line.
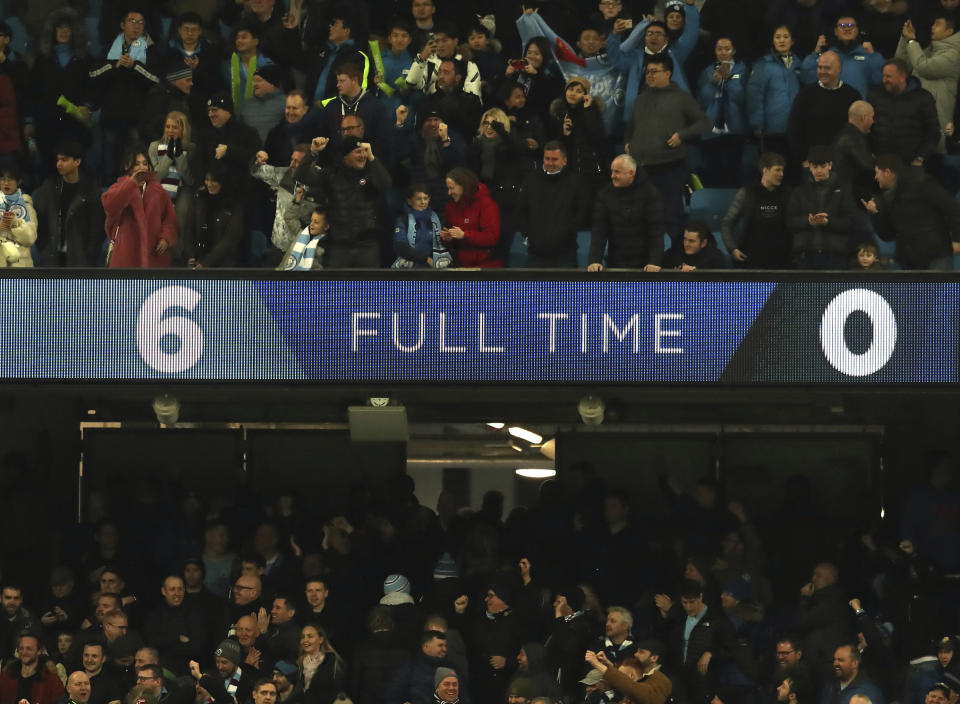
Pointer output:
x,y
736,99
770,93
859,68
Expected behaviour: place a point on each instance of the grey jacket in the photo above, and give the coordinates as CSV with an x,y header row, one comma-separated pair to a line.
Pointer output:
x,y
657,114
938,68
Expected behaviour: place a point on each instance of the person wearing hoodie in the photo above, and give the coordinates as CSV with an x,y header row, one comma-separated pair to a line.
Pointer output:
x,y
820,215
937,66
531,668
471,221
665,118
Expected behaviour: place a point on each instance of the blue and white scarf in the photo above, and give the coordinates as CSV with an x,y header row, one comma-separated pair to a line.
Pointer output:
x,y
441,257
302,253
137,50
15,204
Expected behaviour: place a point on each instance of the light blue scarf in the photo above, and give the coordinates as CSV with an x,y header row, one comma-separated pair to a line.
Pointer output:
x,y
138,50
441,257
302,253
15,204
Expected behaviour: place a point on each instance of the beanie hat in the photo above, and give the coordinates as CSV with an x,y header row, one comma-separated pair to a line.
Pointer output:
x,y
523,687
442,673
446,568
221,99
177,70
271,73
574,596
287,669
674,7
505,588
229,650
581,81
394,582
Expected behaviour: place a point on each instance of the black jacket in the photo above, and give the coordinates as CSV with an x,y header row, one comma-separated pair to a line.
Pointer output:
x,y
631,220
214,232
353,197
163,629
81,225
853,161
586,142
831,197
568,641
374,664
508,167
707,258
713,634
921,216
500,635
817,116
242,143
551,208
459,109
163,99
121,91
906,124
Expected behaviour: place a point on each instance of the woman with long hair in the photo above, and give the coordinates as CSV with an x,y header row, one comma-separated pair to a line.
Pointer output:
x,y
170,158
538,73
322,670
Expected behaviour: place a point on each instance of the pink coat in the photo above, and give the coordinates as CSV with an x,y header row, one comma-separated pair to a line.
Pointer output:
x,y
136,222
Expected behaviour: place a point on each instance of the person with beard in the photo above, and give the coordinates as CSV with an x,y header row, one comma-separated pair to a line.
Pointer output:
x,y
651,686
820,216
790,663
531,667
795,688
28,675
849,681
460,108
286,676
233,674
430,151
861,68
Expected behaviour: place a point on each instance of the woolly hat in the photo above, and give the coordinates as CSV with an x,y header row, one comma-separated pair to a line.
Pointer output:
x,y
272,74
220,99
229,650
674,7
446,568
176,70
523,687
442,673
394,582
287,669
581,81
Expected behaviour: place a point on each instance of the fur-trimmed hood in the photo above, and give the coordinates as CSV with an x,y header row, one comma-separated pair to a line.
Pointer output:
x,y
58,17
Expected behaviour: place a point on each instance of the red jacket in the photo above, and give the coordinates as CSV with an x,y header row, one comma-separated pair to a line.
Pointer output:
x,y
47,688
136,222
479,218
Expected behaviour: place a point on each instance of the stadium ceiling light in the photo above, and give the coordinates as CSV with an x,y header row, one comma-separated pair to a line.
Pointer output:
x,y
536,472
524,434
495,426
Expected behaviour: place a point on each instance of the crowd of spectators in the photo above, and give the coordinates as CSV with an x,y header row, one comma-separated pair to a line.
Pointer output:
x,y
161,595
304,133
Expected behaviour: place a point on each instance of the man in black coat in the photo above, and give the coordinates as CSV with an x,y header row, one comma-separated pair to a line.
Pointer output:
x,y
697,250
497,638
918,213
820,216
461,109
906,116
852,157
176,629
628,214
353,184
819,111
226,138
755,226
551,207
574,632
70,231
699,642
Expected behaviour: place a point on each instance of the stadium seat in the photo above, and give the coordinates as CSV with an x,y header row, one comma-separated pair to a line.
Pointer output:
x,y
710,205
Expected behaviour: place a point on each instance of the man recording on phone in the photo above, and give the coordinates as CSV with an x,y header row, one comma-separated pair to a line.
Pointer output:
x,y
426,64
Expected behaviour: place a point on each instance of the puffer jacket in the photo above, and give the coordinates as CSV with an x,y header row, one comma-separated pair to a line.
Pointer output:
x,y
354,197
770,93
830,197
734,95
479,218
631,220
860,69
905,124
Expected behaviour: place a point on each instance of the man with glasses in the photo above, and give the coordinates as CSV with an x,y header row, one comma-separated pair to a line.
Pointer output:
x,y
861,66
790,665
121,83
649,41
665,118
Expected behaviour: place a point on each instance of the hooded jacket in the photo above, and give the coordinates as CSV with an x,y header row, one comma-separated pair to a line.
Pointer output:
x,y
479,218
631,221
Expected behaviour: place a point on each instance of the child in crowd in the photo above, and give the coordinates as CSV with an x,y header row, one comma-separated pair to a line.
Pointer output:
x,y
868,258
305,253
416,235
394,63
486,53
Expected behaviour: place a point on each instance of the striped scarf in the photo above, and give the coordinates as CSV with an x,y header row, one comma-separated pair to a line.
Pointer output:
x,y
302,253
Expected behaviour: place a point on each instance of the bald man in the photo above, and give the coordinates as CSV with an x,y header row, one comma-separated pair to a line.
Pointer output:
x,y
819,111
852,157
78,687
822,618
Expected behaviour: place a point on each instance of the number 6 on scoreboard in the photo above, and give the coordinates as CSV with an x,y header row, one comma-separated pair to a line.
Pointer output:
x,y
152,327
